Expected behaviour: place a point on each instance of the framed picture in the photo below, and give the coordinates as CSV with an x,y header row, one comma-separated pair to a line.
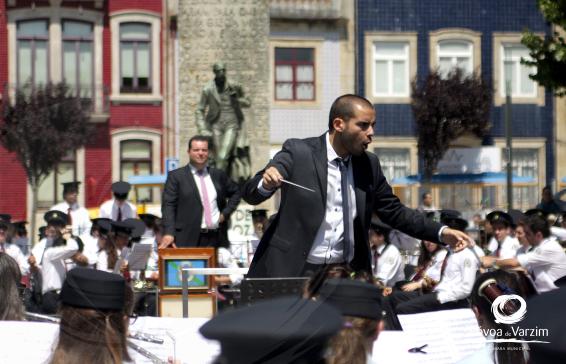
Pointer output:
x,y
200,305
172,261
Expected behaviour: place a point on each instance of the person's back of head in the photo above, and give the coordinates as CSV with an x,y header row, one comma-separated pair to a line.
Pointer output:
x,y
487,287
11,306
94,318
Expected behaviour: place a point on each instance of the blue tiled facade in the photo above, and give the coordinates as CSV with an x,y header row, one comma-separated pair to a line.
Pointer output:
x,y
484,16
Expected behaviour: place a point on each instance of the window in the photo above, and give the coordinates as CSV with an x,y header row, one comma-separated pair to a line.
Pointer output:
x,y
391,69
136,159
514,73
135,57
455,54
32,52
525,164
50,190
78,57
294,74
395,162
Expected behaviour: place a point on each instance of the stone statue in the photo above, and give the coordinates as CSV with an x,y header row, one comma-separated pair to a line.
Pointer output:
x,y
224,122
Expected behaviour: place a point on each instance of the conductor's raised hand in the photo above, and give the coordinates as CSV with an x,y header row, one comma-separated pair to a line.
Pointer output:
x,y
456,239
271,179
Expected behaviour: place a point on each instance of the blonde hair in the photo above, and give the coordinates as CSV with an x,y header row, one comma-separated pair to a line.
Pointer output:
x,y
353,343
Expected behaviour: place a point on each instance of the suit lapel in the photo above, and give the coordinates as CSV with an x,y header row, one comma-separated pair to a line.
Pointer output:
x,y
192,183
215,180
321,165
214,92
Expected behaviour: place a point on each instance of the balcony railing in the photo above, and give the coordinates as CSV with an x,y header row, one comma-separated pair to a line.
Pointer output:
x,y
94,98
305,9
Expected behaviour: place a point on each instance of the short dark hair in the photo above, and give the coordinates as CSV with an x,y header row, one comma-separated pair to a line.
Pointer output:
x,y
342,107
424,195
200,138
538,224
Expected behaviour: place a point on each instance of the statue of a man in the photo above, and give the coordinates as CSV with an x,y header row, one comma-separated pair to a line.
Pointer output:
x,y
224,122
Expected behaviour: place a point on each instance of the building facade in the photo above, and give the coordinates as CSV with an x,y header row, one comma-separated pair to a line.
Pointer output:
x,y
111,52
401,41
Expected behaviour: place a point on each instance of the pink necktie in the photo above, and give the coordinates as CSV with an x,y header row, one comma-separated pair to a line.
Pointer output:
x,y
205,201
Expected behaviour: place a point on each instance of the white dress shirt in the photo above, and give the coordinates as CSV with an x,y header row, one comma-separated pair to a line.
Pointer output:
x,y
226,260
328,245
53,268
15,252
212,196
507,249
546,263
90,249
109,210
390,266
434,271
459,276
79,216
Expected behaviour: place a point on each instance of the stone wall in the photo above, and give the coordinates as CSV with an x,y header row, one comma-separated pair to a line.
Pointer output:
x,y
236,33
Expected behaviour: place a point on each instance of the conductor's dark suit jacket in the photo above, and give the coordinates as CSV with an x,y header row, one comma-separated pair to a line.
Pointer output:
x,y
283,249
182,209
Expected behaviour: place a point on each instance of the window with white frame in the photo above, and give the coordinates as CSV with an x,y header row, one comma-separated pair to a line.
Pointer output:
x,y
135,57
525,164
294,74
395,162
50,190
516,74
32,52
136,159
78,57
454,54
391,68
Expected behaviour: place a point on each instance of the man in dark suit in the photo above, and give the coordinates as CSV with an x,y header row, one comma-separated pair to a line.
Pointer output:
x,y
330,225
197,202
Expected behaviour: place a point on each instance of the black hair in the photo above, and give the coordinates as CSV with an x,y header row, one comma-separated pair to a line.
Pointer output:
x,y
200,138
424,194
343,108
538,224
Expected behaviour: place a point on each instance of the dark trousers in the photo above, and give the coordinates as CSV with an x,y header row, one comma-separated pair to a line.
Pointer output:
x,y
209,239
50,302
404,303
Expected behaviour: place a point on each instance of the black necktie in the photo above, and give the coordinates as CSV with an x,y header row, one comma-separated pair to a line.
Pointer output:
x,y
119,214
343,166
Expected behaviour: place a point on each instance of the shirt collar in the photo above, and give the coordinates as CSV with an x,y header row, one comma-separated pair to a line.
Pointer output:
x,y
330,152
195,171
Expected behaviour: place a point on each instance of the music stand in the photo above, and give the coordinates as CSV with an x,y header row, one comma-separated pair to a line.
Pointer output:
x,y
257,289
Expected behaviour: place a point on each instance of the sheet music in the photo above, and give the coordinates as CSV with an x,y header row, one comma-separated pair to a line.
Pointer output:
x,y
123,256
393,347
27,342
180,339
451,335
137,259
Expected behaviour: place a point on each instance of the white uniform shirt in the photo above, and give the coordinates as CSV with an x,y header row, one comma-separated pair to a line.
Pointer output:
x,y
79,216
109,210
90,249
15,252
546,263
507,249
459,276
211,194
53,269
226,260
434,271
390,266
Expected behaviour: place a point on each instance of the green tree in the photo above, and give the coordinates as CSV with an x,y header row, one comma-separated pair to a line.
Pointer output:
x,y
446,108
549,53
41,124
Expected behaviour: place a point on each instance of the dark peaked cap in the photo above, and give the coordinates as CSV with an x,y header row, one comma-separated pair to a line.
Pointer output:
x,y
91,288
69,187
545,312
121,188
499,216
352,298
55,217
137,226
284,330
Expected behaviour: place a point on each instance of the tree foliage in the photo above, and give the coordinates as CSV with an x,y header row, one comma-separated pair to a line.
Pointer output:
x,y
549,53
446,108
41,125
